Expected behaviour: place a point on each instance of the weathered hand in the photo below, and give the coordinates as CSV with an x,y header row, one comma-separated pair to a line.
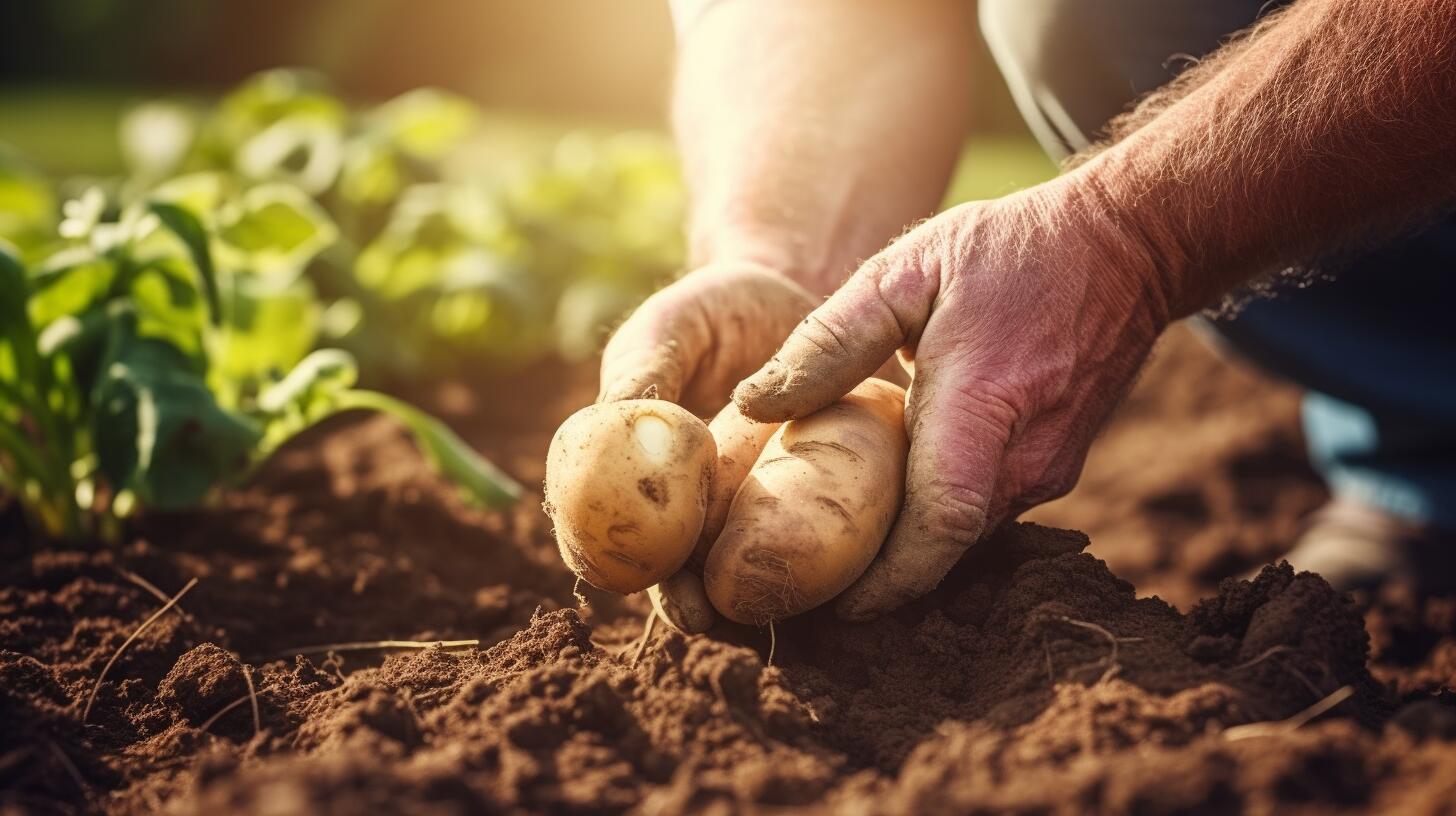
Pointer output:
x,y
690,343
695,339
1025,320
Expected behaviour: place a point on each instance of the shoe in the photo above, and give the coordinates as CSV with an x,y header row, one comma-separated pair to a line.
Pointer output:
x,y
1353,546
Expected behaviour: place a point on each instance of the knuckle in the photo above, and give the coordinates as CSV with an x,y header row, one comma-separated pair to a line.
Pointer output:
x,y
823,335
982,409
948,513
902,282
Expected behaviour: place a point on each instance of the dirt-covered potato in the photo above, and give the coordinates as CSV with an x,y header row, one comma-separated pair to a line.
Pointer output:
x,y
680,599
626,489
814,510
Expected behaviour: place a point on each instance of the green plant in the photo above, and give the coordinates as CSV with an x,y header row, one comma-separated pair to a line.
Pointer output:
x,y
154,351
451,247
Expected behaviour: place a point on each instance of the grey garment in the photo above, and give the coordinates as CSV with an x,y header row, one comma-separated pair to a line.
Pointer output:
x,y
1072,65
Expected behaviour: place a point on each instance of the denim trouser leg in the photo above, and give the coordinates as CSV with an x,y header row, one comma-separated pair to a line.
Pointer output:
x,y
1375,344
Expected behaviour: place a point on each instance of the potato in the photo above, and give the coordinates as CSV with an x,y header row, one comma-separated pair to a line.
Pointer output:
x,y
627,489
680,599
814,509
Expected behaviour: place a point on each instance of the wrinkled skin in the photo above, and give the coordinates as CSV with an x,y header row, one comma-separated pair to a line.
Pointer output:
x,y
691,343
1025,319
694,340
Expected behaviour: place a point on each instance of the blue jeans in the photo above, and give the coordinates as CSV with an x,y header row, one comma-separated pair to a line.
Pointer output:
x,y
1374,343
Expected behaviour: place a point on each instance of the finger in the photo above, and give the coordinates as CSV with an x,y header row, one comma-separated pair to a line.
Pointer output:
x,y
959,434
740,440
654,372
681,601
652,355
841,343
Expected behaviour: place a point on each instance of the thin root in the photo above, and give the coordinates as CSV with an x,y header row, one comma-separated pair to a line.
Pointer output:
x,y
646,636
369,645
1277,727
773,642
1110,661
253,696
1289,667
1264,655
146,585
91,700
581,601
222,711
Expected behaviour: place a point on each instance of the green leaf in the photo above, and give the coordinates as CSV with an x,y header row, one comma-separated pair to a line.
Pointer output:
x,y
16,328
69,282
320,386
426,122
193,235
269,329
322,374
275,229
263,100
199,193
480,482
371,173
305,151
158,430
164,297
79,339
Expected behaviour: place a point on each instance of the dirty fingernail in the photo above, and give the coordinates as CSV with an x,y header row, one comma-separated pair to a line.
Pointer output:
x,y
766,383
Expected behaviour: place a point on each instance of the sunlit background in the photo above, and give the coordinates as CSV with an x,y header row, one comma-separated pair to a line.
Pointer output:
x,y
69,66
515,215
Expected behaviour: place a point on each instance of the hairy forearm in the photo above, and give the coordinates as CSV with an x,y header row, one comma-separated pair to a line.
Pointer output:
x,y
1331,124
813,131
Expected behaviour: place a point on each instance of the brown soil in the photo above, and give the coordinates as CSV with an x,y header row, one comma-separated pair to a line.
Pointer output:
x,y
1034,680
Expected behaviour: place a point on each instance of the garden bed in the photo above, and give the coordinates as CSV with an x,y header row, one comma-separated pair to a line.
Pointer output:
x,y
1034,680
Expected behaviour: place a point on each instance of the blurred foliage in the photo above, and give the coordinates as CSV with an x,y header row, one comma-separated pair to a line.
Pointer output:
x,y
436,262
157,331
160,322
152,351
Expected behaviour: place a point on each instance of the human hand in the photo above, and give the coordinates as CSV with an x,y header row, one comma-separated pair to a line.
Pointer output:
x,y
690,343
695,339
1025,320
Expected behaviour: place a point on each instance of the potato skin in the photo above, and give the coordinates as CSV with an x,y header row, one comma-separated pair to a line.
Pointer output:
x,y
814,509
680,599
740,441
625,517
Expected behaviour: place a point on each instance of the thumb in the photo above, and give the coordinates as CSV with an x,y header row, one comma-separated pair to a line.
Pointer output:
x,y
959,434
880,308
653,352
652,370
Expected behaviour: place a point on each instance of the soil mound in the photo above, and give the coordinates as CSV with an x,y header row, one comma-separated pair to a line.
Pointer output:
x,y
1033,680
